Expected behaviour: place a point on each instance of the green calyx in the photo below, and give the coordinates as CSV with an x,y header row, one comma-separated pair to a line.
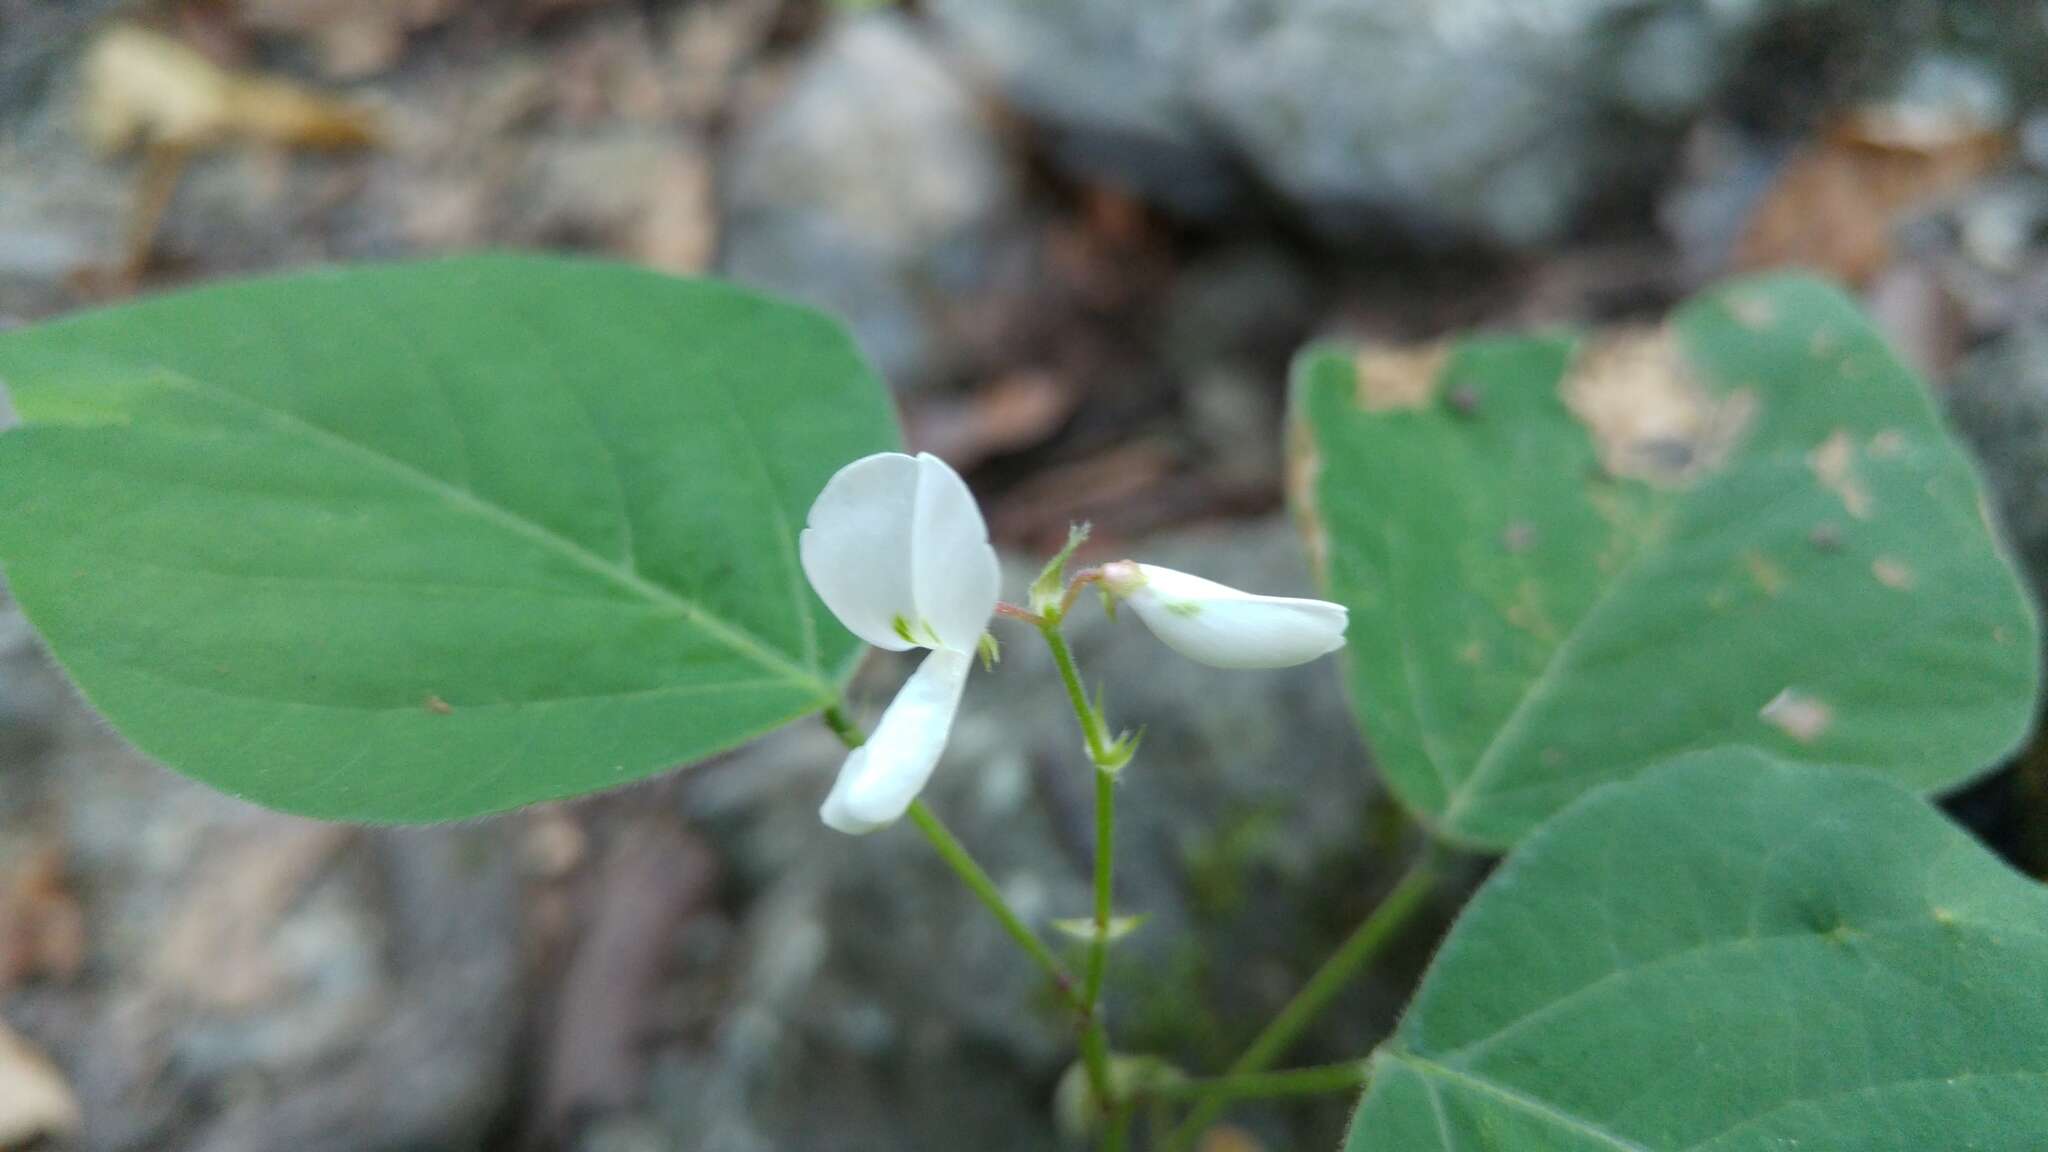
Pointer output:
x,y
1050,589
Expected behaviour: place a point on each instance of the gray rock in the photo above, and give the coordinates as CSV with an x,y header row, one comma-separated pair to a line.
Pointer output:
x,y
1497,119
1998,400
1111,83
60,209
1476,116
875,188
873,1004
34,36
1988,252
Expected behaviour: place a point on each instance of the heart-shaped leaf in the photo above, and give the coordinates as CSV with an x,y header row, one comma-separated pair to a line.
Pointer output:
x,y
1569,559
1731,954
429,541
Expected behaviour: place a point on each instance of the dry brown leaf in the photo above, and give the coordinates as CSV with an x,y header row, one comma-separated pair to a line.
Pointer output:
x,y
35,1100
1015,412
148,89
1106,489
1836,201
678,232
42,928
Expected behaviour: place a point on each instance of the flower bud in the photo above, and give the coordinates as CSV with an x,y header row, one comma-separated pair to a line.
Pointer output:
x,y
1221,626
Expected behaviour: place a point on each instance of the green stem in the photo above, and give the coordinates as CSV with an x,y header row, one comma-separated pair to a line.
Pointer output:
x,y
957,857
1095,1041
1095,1047
1365,942
1105,856
971,873
1077,695
1118,1131
843,726
1315,1081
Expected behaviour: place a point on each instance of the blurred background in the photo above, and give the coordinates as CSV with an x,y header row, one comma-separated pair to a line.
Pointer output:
x,y
1081,239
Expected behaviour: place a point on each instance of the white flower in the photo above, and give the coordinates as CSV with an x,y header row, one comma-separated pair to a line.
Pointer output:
x,y
1215,624
897,549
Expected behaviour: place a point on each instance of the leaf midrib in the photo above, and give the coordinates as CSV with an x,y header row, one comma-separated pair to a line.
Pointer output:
x,y
1488,763
1430,1069
1536,1106
731,635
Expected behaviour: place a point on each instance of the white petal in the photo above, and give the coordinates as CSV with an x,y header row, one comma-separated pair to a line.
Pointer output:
x,y
952,565
1222,626
856,549
881,778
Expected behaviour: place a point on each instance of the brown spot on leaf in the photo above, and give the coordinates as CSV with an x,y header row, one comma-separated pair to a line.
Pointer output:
x,y
1518,537
1650,417
1804,718
1834,464
1887,444
1892,573
1473,653
1396,378
1751,310
437,706
1527,613
1304,465
1769,578
1826,537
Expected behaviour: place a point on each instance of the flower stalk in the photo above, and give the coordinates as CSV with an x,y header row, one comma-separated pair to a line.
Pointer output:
x,y
972,874
1107,756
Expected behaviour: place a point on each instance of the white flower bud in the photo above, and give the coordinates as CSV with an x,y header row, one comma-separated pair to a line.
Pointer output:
x,y
1219,625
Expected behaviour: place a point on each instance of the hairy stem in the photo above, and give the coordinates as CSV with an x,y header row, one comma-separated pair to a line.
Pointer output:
x,y
957,857
1095,1043
971,873
1105,849
1077,694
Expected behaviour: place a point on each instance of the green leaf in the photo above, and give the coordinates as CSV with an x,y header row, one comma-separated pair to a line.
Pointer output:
x,y
1731,954
429,541
1566,559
